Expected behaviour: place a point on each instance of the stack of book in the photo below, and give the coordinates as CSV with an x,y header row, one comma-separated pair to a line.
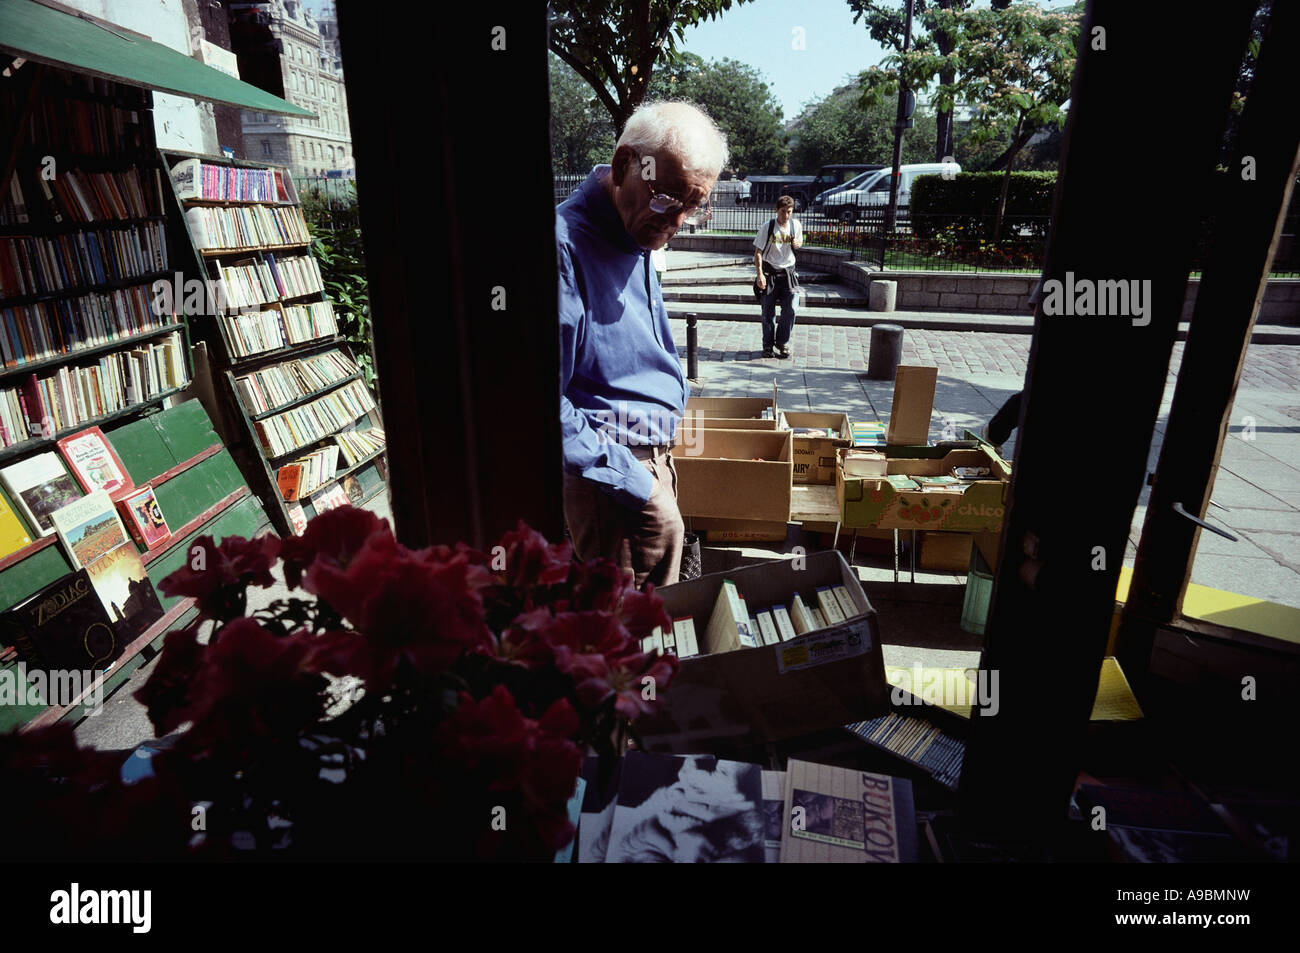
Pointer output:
x,y
254,332
249,226
61,122
295,277
308,322
103,196
869,434
42,406
246,286
307,474
199,180
280,384
51,328
300,426
35,264
734,624
702,809
356,445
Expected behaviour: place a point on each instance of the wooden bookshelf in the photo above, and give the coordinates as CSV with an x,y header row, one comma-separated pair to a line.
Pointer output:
x,y
83,140
366,478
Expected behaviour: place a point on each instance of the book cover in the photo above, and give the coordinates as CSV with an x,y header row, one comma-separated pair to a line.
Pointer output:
x,y
297,518
288,478
773,818
847,606
684,632
144,518
94,463
800,616
687,809
722,634
598,804
839,815
781,616
63,627
829,605
39,486
96,541
767,628
654,642
13,535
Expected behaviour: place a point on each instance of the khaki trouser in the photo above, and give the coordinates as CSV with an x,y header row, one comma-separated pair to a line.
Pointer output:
x,y
646,542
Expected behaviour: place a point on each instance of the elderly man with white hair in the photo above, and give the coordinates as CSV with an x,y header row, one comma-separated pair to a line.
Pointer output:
x,y
623,392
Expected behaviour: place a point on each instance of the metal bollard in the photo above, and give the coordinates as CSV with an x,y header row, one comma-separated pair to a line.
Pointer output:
x,y
884,351
692,357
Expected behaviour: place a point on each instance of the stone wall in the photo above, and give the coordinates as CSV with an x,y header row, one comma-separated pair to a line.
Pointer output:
x,y
968,292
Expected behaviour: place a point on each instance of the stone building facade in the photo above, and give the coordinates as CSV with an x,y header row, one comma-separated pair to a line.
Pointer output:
x,y
311,72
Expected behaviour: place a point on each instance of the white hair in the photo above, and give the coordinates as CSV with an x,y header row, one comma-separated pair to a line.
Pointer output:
x,y
680,128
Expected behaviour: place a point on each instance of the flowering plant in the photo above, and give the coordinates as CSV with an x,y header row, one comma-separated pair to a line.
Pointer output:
x,y
432,703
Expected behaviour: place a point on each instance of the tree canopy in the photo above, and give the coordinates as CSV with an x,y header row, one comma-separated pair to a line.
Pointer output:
x,y
838,128
615,44
582,135
740,101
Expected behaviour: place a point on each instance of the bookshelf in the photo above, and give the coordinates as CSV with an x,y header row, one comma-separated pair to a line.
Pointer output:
x,y
83,238
287,381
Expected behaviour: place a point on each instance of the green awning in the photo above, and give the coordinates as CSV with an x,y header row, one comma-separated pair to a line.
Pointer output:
x,y
45,35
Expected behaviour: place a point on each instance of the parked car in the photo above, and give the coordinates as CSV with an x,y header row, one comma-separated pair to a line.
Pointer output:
x,y
819,200
830,177
872,196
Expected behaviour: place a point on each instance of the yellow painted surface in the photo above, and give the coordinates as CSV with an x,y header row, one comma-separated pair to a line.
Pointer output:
x,y
1230,609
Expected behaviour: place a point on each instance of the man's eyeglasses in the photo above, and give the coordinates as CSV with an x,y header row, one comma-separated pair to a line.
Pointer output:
x,y
662,204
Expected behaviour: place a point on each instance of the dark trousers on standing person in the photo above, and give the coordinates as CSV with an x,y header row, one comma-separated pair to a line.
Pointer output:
x,y
780,288
647,542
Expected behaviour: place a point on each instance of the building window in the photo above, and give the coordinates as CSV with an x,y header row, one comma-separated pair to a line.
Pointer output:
x,y
266,147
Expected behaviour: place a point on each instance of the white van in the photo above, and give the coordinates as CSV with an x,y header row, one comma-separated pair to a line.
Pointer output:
x,y
872,196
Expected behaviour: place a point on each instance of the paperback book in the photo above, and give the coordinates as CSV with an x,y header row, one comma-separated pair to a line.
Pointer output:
x,y
839,815
96,541
144,518
39,486
62,627
94,463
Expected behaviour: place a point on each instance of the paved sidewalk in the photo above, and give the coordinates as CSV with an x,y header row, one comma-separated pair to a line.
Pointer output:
x,y
1258,480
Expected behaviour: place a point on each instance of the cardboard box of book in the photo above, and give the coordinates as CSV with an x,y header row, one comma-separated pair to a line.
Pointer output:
x,y
733,474
753,682
817,437
927,493
734,408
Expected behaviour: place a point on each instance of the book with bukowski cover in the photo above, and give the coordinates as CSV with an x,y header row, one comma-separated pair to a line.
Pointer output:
x,y
839,815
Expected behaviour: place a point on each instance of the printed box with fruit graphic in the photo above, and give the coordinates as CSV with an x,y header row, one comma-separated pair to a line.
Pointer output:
x,y
896,501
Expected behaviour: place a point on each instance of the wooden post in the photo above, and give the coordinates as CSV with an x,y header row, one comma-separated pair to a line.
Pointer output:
x,y
1093,392
1248,221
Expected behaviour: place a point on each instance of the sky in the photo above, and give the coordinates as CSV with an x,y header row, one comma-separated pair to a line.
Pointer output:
x,y
763,34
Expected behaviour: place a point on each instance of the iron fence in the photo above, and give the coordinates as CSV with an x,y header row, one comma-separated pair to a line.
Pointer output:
x,y
931,242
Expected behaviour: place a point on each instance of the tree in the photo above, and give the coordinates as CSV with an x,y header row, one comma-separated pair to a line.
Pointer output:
x,y
582,135
615,44
885,21
1012,65
839,129
738,99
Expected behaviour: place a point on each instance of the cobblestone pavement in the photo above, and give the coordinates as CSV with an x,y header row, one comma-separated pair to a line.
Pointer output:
x,y
955,353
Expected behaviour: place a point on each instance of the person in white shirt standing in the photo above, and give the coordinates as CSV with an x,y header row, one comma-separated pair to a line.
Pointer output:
x,y
774,247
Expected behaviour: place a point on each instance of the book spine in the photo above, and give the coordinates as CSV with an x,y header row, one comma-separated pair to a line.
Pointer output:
x,y
784,627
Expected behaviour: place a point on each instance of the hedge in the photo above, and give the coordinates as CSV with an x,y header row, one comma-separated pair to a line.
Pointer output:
x,y
969,202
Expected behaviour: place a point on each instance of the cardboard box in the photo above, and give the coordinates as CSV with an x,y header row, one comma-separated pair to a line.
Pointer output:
x,y
909,415
947,552
733,474
814,457
970,508
821,680
739,531
744,408
727,423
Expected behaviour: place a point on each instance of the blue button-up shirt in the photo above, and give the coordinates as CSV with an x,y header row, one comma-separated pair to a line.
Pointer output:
x,y
621,381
